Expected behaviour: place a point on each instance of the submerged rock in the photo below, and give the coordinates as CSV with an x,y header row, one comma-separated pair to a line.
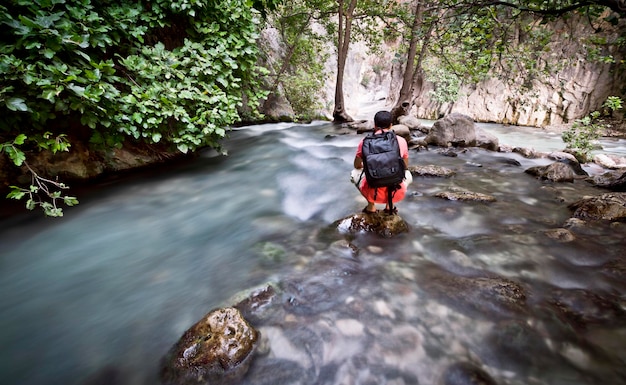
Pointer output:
x,y
491,297
431,170
465,373
560,235
610,207
380,223
581,308
464,195
217,349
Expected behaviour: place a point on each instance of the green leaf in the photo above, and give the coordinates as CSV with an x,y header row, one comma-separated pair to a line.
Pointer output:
x,y
19,140
49,94
156,137
16,155
182,147
80,91
16,193
48,53
70,201
30,204
17,104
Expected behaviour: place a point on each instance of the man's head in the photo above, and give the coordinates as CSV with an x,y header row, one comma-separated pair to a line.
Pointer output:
x,y
382,119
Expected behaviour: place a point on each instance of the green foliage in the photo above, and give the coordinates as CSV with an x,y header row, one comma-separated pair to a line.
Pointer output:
x,y
613,103
300,91
447,84
581,135
170,72
303,73
13,151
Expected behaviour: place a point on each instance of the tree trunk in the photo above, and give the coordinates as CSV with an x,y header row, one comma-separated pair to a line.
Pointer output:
x,y
405,100
343,44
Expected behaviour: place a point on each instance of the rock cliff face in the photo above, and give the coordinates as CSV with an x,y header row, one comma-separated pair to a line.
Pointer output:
x,y
573,84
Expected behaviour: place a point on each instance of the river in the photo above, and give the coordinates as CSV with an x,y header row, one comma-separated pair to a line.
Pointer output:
x,y
99,296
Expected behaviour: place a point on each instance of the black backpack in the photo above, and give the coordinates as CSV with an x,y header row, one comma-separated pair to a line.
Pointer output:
x,y
382,162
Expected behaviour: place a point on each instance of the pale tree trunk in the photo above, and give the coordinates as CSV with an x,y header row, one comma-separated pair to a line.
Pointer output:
x,y
343,44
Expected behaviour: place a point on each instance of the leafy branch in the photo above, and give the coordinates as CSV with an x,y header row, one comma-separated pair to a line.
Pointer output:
x,y
42,192
40,189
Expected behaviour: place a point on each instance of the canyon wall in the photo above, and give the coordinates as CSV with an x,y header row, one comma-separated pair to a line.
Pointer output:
x,y
575,84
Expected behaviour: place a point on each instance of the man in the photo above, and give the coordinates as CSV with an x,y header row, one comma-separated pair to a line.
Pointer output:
x,y
382,122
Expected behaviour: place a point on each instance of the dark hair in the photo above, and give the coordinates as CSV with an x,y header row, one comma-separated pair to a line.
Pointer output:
x,y
382,119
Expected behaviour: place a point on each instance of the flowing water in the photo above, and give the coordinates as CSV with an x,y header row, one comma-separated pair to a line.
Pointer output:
x,y
99,296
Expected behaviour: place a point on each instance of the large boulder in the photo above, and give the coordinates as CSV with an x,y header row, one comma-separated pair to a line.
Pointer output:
x,y
217,349
610,207
278,108
453,130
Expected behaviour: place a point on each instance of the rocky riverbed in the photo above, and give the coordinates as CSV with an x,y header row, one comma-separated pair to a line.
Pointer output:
x,y
371,300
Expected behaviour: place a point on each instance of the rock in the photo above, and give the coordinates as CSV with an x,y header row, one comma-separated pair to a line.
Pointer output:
x,y
515,346
560,235
402,130
411,122
277,108
431,170
509,162
361,126
384,225
449,153
486,140
217,349
463,195
610,161
555,172
479,296
580,307
528,153
609,207
465,373
417,144
454,130
255,303
350,327
569,160
75,164
612,180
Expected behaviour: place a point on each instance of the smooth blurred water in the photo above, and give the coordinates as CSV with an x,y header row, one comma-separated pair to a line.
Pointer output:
x,y
106,291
